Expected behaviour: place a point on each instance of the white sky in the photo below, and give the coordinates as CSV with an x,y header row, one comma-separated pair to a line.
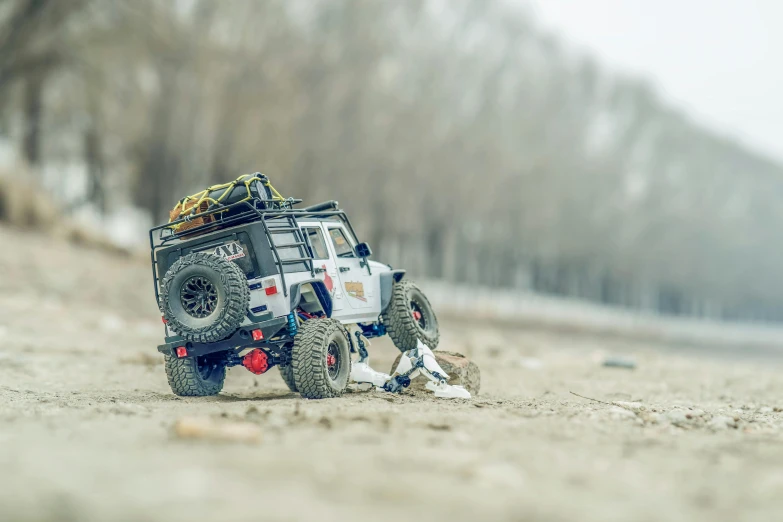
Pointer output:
x,y
719,60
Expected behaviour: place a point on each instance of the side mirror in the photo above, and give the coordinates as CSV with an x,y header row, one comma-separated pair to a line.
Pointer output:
x,y
363,250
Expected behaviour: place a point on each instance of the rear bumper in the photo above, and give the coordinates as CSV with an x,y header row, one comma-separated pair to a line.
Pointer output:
x,y
241,339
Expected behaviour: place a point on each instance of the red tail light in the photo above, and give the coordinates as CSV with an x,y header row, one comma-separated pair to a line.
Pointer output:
x,y
258,335
270,286
182,352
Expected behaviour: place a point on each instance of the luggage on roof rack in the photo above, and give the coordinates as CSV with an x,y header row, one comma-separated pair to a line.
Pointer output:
x,y
219,202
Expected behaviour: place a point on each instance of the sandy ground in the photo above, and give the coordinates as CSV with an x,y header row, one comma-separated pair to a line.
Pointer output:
x,y
86,423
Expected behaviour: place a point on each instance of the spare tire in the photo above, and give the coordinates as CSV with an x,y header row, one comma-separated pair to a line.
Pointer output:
x,y
204,297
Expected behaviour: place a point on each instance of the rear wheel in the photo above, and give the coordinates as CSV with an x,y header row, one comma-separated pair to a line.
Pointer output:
x,y
321,359
409,318
196,376
287,373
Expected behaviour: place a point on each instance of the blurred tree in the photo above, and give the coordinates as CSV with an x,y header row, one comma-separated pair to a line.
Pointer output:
x,y
467,142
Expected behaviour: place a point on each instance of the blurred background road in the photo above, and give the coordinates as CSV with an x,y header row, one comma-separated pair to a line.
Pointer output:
x,y
574,185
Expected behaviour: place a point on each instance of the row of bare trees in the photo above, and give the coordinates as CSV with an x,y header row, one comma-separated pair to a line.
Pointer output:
x,y
466,142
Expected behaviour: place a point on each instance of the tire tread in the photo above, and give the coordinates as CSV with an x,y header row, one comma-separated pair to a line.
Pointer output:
x,y
185,380
399,322
309,356
237,298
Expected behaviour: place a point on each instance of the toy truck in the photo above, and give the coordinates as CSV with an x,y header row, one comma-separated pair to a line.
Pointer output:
x,y
244,277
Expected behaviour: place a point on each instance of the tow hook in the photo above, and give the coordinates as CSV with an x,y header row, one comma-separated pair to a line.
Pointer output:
x,y
256,362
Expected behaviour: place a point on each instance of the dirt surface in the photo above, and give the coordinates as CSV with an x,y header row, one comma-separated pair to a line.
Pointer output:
x,y
86,423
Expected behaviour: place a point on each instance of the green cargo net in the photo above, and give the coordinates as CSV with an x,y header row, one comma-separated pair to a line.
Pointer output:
x,y
215,197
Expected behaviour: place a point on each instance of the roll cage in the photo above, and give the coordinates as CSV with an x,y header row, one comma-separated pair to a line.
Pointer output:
x,y
278,213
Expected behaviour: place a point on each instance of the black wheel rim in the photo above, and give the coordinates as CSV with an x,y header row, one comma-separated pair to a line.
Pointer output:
x,y
419,315
333,360
198,297
204,367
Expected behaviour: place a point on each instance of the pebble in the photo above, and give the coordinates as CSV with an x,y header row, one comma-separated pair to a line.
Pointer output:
x,y
655,418
722,422
620,362
206,428
531,363
112,323
618,413
678,417
635,407
128,409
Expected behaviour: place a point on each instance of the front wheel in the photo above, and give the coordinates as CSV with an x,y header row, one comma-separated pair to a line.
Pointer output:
x,y
195,376
321,359
409,318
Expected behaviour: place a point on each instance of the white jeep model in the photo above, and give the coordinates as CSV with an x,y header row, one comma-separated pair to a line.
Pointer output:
x,y
260,283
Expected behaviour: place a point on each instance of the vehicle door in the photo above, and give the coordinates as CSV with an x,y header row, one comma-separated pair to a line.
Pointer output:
x,y
355,279
324,264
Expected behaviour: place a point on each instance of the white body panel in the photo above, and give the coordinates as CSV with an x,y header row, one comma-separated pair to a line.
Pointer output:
x,y
355,288
356,293
279,304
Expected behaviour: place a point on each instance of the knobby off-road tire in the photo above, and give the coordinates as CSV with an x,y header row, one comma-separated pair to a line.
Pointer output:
x,y
316,374
195,376
287,373
409,317
204,297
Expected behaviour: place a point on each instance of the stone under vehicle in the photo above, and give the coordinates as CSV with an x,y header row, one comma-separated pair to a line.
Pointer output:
x,y
242,277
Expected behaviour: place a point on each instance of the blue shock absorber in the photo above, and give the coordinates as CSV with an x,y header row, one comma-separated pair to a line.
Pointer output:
x,y
292,326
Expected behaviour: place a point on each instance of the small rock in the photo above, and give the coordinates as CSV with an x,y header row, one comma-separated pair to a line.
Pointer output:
x,y
494,351
635,407
620,362
128,409
721,422
439,427
277,422
766,409
654,418
531,363
462,371
678,417
112,323
619,413
208,429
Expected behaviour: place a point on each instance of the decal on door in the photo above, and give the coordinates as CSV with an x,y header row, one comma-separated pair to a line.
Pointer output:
x,y
328,281
355,290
